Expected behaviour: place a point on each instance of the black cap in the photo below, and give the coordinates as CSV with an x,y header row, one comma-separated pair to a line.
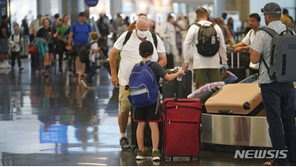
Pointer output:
x,y
81,14
271,8
146,49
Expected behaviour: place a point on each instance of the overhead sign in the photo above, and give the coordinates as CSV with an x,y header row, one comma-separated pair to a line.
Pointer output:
x,y
91,3
3,7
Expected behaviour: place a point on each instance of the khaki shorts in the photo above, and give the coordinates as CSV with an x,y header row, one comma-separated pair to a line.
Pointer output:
x,y
201,75
123,103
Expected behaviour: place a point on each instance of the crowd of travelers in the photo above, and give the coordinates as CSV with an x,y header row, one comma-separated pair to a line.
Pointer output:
x,y
83,45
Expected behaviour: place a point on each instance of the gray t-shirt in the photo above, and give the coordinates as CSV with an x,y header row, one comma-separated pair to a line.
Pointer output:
x,y
262,44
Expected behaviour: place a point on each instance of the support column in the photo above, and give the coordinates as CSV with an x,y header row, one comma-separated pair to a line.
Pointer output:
x,y
115,7
43,7
219,8
72,8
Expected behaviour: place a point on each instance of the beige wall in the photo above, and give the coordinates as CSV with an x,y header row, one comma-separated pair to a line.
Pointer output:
x,y
242,6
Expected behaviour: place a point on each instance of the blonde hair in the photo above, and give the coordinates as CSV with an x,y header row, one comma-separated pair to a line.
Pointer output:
x,y
59,24
94,35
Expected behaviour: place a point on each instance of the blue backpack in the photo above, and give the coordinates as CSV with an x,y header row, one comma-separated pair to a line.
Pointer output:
x,y
143,86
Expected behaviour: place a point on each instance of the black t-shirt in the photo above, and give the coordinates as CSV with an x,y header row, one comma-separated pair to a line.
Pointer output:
x,y
46,34
158,71
5,26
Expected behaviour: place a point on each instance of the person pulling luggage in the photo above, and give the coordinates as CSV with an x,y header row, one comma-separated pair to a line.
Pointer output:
x,y
144,96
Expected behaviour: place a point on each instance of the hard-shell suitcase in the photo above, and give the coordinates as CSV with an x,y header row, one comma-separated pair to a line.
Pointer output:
x,y
203,97
181,127
179,89
240,99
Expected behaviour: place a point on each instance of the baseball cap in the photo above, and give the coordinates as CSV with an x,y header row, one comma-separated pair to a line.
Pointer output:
x,y
271,8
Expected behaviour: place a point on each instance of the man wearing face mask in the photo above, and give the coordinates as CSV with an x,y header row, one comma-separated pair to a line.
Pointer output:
x,y
129,57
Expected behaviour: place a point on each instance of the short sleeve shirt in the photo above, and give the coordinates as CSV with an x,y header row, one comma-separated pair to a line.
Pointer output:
x,y
130,54
81,33
249,37
93,55
262,44
158,71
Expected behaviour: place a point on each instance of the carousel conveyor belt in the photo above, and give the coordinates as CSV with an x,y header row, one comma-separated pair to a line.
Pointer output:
x,y
235,130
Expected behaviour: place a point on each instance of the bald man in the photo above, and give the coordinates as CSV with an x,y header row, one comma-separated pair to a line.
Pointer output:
x,y
129,53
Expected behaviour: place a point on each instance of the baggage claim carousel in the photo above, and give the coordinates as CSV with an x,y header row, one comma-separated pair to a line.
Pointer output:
x,y
232,130
236,130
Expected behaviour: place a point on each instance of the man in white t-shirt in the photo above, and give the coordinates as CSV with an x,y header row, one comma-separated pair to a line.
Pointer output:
x,y
254,22
129,53
204,67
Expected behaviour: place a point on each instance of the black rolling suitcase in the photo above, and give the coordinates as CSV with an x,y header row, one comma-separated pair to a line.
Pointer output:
x,y
147,133
235,65
170,61
103,59
179,89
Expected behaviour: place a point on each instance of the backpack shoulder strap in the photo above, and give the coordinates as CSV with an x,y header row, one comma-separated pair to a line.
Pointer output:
x,y
154,39
269,31
198,25
12,37
127,37
149,63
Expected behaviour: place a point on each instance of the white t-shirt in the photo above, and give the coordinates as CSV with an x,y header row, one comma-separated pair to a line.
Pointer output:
x,y
16,47
130,54
93,56
199,61
249,37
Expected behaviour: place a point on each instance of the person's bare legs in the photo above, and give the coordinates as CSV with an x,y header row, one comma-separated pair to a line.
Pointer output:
x,y
122,121
154,135
140,135
78,68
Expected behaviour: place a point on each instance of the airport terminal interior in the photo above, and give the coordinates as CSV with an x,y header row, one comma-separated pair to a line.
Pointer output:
x,y
52,114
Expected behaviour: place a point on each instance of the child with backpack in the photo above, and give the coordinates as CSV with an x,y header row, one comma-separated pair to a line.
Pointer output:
x,y
94,49
143,93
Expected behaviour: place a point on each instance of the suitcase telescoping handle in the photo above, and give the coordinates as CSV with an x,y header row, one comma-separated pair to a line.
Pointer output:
x,y
232,56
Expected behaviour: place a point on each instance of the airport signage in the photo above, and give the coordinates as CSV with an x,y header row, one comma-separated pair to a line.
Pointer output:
x,y
91,3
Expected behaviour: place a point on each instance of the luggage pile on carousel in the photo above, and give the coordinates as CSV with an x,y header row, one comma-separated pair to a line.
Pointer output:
x,y
182,110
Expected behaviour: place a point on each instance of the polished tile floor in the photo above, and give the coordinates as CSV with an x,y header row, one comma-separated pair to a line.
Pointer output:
x,y
56,122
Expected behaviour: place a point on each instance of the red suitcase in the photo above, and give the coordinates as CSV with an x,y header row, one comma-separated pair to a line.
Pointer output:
x,y
181,127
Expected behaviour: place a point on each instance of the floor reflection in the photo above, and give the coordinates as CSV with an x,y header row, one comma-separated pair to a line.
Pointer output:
x,y
56,122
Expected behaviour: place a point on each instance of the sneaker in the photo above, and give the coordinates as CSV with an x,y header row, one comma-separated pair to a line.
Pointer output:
x,y
124,143
155,155
142,155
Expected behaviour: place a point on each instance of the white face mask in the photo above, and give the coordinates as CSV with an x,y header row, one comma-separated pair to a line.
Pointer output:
x,y
142,34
